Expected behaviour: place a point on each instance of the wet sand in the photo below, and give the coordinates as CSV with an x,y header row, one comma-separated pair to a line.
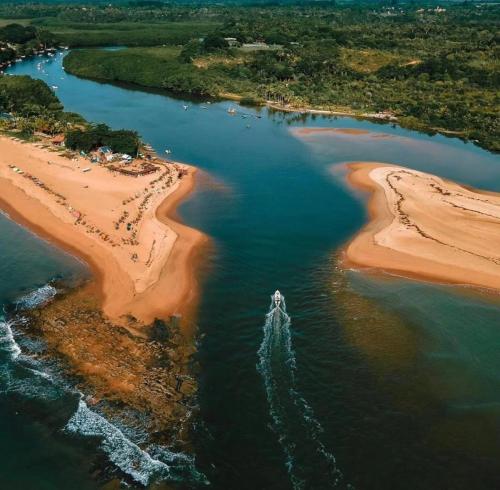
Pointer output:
x,y
426,227
146,271
311,131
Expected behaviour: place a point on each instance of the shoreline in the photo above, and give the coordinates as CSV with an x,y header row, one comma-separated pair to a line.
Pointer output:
x,y
383,118
123,361
418,235
109,271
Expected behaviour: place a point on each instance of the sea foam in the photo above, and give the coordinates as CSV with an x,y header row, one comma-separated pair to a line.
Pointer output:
x,y
7,341
130,458
36,298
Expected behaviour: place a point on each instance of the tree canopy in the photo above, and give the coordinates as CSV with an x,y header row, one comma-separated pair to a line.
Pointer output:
x,y
97,135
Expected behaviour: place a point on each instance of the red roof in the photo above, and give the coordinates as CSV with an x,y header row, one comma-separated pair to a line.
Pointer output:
x,y
58,138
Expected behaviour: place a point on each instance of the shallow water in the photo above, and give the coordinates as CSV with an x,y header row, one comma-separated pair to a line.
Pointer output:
x,y
401,377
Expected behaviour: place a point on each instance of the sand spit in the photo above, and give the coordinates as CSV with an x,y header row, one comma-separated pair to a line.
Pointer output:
x,y
120,225
426,227
312,131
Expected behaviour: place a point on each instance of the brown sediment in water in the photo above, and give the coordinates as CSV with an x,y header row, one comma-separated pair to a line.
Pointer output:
x,y
379,334
119,371
425,227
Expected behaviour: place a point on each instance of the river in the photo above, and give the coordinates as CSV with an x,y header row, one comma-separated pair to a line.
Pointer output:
x,y
368,383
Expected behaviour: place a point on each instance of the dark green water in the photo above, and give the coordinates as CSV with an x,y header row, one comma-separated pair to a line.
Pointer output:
x,y
379,384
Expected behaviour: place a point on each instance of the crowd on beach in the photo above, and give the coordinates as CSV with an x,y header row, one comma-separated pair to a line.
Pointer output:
x,y
169,176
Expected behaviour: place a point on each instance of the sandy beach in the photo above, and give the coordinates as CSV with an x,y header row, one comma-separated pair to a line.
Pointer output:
x,y
426,227
122,226
303,132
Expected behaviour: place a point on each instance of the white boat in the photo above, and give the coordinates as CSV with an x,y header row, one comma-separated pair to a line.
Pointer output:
x,y
277,298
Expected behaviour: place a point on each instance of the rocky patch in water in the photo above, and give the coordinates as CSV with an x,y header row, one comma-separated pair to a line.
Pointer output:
x,y
136,374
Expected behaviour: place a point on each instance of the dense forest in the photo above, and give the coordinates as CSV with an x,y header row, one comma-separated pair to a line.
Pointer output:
x,y
19,40
429,67
96,135
28,106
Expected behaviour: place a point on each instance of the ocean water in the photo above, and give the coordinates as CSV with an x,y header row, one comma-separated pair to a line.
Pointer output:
x,y
361,382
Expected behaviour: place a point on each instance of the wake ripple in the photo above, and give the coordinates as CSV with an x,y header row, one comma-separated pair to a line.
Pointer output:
x,y
309,463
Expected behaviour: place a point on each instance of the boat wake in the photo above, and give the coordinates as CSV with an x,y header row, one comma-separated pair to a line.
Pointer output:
x,y
309,463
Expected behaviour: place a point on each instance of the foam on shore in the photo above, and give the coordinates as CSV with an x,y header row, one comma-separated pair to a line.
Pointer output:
x,y
129,457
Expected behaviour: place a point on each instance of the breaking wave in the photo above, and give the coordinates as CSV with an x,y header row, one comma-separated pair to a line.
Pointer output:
x,y
21,373
36,298
8,343
309,463
144,467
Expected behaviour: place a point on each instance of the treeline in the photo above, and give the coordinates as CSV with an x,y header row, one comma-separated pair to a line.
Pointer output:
x,y
434,69
18,40
152,67
33,107
98,135
26,36
25,96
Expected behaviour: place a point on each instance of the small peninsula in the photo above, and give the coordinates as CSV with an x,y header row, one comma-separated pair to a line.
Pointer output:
x,y
115,217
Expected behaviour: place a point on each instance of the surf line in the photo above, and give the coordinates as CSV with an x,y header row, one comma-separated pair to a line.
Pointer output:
x,y
309,463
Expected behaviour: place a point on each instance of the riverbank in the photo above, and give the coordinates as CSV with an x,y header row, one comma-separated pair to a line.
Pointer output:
x,y
426,227
122,226
221,78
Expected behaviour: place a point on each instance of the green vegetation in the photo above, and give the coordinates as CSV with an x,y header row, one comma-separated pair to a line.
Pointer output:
x,y
29,106
433,69
94,136
23,95
126,34
16,33
19,40
153,67
32,107
128,24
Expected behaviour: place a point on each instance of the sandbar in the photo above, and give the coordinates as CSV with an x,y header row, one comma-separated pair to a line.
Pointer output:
x,y
426,227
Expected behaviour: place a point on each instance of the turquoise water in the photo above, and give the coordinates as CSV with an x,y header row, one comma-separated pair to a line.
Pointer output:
x,y
378,383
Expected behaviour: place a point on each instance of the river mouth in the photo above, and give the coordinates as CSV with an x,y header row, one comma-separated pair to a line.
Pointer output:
x,y
401,375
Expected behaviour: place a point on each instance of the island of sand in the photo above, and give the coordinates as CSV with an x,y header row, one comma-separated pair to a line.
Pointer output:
x,y
117,221
426,227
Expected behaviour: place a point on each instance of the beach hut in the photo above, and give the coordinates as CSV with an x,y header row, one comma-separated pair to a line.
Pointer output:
x,y
106,152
